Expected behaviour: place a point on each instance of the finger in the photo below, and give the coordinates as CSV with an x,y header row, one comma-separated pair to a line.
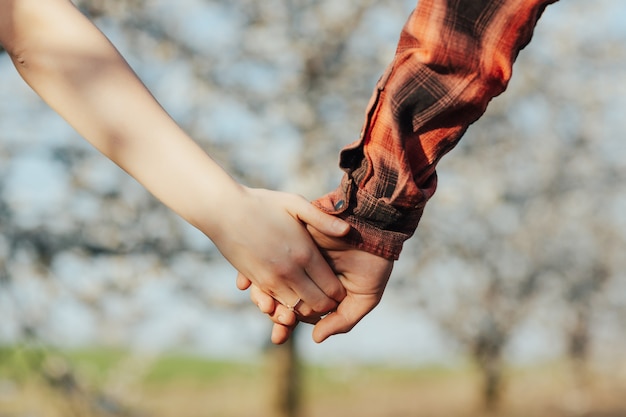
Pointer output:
x,y
325,241
280,333
265,302
324,277
351,310
303,311
324,222
242,282
310,318
319,286
316,286
278,313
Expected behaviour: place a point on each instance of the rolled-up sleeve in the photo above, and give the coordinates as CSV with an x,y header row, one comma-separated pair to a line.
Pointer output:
x,y
452,58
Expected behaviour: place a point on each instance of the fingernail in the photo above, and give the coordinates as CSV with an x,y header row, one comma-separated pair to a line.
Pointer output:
x,y
282,319
340,225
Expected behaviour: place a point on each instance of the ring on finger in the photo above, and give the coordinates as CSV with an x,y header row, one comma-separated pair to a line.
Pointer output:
x,y
292,307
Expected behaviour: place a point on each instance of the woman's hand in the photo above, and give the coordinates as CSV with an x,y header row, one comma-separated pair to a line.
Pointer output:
x,y
263,234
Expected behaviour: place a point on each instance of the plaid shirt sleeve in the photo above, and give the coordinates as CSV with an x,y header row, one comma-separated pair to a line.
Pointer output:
x,y
453,57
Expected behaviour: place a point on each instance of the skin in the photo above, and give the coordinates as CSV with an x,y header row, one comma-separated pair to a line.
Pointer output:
x,y
363,275
81,75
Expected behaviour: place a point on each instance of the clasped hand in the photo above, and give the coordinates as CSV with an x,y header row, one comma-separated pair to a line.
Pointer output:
x,y
363,277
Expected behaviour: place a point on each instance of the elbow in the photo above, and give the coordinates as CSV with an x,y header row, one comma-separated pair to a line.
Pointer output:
x,y
21,28
19,57
27,54
15,48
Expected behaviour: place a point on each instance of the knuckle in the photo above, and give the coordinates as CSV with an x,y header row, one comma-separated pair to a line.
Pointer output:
x,y
302,255
282,269
323,306
337,293
346,327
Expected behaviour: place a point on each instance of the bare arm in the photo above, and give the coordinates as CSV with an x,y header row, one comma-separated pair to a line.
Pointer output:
x,y
82,76
75,69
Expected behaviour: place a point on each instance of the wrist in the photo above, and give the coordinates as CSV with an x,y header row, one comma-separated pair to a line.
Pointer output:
x,y
377,226
216,209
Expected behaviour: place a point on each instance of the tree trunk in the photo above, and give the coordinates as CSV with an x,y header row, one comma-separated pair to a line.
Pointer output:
x,y
579,341
492,383
488,357
285,379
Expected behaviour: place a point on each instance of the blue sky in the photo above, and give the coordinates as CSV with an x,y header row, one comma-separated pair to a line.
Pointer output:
x,y
38,189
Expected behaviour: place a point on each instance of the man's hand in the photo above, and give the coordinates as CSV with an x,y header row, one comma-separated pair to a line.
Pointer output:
x,y
363,275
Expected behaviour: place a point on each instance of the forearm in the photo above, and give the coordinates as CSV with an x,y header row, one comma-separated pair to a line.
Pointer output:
x,y
452,59
75,69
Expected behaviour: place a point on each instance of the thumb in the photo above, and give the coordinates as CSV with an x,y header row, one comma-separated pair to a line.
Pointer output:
x,y
242,282
330,325
348,314
326,223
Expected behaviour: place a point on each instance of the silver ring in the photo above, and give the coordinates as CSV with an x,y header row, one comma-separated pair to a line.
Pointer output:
x,y
294,306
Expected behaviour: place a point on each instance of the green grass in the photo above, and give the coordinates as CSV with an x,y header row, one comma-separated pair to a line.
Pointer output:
x,y
173,367
187,386
19,362
97,363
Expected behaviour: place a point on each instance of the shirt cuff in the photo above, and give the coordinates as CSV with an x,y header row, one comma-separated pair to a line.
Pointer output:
x,y
377,226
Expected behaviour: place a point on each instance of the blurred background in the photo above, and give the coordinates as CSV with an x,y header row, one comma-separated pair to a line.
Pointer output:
x,y
510,300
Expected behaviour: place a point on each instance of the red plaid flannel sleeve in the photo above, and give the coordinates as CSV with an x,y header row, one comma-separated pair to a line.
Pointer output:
x,y
453,57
